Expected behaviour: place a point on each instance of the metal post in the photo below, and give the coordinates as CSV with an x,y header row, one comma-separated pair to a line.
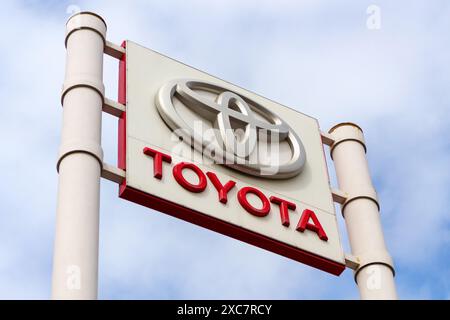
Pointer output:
x,y
75,264
375,274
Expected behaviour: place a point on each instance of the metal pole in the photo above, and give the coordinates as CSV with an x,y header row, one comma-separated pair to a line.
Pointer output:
x,y
75,261
375,274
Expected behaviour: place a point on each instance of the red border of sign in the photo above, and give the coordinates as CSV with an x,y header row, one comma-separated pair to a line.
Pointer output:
x,y
200,219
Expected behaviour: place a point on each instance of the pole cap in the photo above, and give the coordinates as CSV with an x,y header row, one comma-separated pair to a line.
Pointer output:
x,y
86,21
346,131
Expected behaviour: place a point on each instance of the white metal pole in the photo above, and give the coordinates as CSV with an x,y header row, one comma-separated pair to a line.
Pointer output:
x,y
375,274
75,262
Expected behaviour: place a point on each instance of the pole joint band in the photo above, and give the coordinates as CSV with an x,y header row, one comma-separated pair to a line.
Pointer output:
x,y
374,258
84,82
369,194
88,147
73,83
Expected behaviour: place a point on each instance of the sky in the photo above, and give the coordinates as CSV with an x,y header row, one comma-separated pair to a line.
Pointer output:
x,y
323,58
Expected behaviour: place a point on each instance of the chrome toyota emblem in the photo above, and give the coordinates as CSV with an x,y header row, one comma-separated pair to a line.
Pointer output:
x,y
240,125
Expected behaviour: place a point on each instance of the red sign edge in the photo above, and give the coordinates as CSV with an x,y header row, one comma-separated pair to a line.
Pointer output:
x,y
203,220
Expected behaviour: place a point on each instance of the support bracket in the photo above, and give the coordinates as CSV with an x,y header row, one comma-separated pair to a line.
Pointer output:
x,y
113,108
351,261
113,50
113,173
327,138
339,196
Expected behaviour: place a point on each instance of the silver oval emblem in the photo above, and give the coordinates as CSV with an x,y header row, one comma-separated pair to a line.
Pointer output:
x,y
240,124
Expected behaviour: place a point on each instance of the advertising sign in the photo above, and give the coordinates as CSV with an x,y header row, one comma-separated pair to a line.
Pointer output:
x,y
216,155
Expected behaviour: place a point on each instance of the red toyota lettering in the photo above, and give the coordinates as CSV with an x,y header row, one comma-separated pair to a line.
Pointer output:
x,y
316,227
242,198
178,175
284,209
158,158
221,189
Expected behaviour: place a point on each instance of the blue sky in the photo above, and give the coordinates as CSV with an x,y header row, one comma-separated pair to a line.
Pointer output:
x,y
318,57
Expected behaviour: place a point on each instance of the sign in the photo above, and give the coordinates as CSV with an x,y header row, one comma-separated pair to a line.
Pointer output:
x,y
213,154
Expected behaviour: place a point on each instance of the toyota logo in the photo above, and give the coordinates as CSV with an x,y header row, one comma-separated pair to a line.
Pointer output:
x,y
239,124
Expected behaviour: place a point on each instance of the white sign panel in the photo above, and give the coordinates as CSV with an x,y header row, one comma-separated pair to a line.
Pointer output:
x,y
211,153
